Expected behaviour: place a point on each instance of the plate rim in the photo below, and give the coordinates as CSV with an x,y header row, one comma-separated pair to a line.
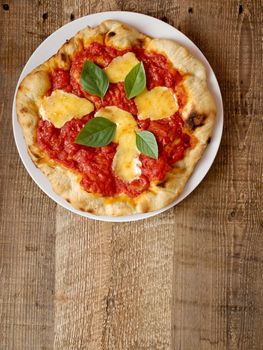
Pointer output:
x,y
213,85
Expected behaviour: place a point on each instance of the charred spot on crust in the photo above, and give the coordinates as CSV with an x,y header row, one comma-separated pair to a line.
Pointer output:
x,y
140,42
162,184
63,57
23,110
111,34
34,154
195,120
37,156
208,140
92,211
146,208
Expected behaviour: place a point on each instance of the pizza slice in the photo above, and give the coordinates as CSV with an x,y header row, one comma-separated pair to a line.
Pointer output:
x,y
117,120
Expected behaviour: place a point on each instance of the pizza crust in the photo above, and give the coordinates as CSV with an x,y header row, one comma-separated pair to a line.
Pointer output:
x,y
199,114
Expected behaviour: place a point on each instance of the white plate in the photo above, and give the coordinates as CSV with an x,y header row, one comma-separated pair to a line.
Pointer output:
x,y
154,28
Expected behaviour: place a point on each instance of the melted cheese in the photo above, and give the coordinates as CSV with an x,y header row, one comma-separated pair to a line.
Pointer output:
x,y
126,164
120,67
157,103
61,106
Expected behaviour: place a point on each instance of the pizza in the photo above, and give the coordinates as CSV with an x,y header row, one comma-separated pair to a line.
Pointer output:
x,y
142,103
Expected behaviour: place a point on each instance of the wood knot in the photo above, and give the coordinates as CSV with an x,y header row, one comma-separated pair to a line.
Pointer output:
x,y
6,7
30,248
45,16
164,19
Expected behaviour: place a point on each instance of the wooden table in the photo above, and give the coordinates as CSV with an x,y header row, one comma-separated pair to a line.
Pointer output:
x,y
191,278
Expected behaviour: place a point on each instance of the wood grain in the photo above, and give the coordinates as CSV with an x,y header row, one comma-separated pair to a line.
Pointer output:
x,y
190,278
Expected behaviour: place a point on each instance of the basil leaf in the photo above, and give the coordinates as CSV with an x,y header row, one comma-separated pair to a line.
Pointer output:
x,y
135,81
97,132
93,79
147,144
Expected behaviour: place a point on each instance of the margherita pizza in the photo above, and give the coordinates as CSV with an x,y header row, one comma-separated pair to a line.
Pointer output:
x,y
117,120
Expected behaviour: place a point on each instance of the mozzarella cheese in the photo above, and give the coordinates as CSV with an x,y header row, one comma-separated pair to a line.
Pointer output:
x,y
126,164
158,103
61,106
120,67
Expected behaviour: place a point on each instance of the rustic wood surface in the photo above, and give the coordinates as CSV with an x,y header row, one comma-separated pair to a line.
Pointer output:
x,y
191,278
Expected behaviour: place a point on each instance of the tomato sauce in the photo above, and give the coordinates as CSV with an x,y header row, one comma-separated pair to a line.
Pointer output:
x,y
60,79
158,70
95,164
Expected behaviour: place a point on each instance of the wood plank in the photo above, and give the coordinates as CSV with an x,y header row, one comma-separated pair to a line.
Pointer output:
x,y
135,268
83,272
189,278
83,257
27,231
221,227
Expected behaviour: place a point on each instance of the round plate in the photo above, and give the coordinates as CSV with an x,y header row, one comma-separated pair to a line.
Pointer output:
x,y
148,25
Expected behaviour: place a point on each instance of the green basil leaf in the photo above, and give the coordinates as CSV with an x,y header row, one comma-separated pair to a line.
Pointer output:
x,y
147,144
135,81
93,79
97,132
